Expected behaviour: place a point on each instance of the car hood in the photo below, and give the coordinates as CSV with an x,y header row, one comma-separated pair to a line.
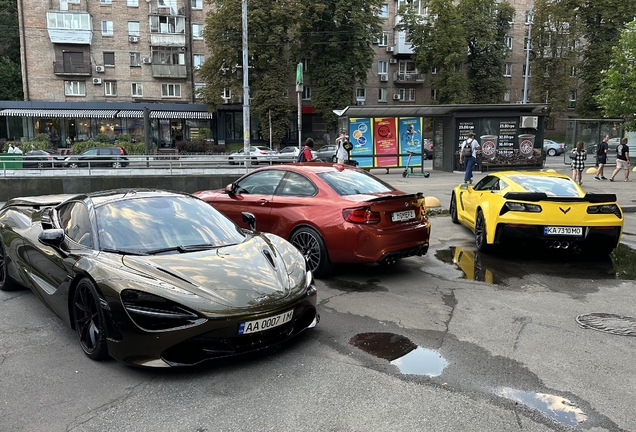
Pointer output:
x,y
246,275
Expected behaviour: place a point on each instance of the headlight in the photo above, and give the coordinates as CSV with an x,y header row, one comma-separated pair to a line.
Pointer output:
x,y
520,207
605,209
154,313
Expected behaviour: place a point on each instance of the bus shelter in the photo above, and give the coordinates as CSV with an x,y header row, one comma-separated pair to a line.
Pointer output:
x,y
511,135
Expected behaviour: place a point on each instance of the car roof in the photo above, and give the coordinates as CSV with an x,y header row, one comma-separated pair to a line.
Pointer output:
x,y
308,167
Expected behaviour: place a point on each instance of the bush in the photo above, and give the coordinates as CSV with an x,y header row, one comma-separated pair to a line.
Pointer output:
x,y
123,138
199,146
102,138
42,138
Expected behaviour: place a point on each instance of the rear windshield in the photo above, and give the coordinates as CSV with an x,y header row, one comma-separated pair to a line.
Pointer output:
x,y
552,186
352,182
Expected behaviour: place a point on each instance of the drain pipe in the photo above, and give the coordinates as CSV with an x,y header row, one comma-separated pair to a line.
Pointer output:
x,y
25,79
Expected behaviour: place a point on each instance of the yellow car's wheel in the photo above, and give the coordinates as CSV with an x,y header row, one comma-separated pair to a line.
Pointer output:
x,y
480,233
453,209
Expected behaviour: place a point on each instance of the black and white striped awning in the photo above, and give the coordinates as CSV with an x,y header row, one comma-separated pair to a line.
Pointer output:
x,y
130,114
58,113
190,115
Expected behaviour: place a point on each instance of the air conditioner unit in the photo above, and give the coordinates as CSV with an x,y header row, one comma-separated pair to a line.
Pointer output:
x,y
97,81
182,49
390,49
530,122
99,69
360,103
396,97
384,77
133,39
393,61
147,60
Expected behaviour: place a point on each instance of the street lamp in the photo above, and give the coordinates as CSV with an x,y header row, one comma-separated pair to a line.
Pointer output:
x,y
246,87
529,19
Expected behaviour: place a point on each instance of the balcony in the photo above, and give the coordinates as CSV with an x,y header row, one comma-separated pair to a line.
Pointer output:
x,y
69,27
167,39
69,68
169,71
408,78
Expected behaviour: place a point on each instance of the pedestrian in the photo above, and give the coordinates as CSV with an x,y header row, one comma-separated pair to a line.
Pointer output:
x,y
305,153
579,155
341,153
601,158
11,148
468,156
622,160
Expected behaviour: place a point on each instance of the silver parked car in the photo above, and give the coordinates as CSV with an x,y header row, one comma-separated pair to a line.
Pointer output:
x,y
290,154
553,148
258,154
327,153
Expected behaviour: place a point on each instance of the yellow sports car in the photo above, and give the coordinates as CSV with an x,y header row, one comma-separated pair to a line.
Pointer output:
x,y
543,208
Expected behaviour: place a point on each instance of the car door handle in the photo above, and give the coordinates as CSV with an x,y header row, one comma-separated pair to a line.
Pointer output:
x,y
263,201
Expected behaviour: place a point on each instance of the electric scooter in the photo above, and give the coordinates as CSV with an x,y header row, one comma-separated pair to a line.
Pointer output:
x,y
407,173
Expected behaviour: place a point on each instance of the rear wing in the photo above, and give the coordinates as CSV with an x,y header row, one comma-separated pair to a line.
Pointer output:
x,y
542,196
38,202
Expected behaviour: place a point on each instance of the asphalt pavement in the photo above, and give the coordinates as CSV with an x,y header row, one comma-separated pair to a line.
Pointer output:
x,y
440,184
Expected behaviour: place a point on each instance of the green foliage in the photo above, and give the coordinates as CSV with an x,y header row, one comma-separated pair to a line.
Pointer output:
x,y
42,138
617,92
123,138
136,148
10,80
102,138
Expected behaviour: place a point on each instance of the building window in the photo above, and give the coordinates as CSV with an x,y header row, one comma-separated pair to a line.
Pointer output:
x,y
105,2
197,31
107,28
109,59
110,88
382,95
525,43
305,65
227,94
508,69
167,24
198,88
506,96
168,55
383,40
361,94
133,28
132,3
407,95
74,88
171,90
383,67
197,4
573,71
306,93
509,42
384,10
529,70
523,97
197,60
136,90
433,94
528,17
68,21
135,59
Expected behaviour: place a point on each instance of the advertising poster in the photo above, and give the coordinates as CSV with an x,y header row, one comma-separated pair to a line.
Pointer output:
x,y
361,136
507,136
465,127
410,129
386,141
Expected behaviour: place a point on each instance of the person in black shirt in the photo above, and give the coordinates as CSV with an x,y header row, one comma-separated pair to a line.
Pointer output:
x,y
601,158
622,160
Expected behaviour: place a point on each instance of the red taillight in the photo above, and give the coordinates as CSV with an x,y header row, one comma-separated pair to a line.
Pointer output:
x,y
121,150
362,215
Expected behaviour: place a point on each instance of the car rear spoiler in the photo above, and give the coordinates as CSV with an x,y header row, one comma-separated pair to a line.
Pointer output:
x,y
402,196
542,196
39,201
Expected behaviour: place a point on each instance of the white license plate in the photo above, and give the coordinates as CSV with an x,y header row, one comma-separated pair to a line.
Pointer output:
x,y
403,215
555,230
255,326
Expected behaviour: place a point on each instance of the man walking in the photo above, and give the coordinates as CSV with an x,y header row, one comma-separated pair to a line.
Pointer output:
x,y
468,156
601,158
622,160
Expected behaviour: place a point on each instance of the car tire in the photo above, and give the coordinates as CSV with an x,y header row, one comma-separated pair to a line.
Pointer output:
x,y
481,238
117,164
6,283
40,165
89,320
254,161
312,246
552,152
230,161
452,209
73,165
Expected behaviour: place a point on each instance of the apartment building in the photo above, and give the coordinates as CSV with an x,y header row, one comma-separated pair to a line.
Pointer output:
x,y
93,66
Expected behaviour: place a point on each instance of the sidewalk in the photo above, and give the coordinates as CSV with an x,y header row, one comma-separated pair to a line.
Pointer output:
x,y
440,184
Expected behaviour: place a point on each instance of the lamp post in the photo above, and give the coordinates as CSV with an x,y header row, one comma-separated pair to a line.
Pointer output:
x,y
528,46
246,87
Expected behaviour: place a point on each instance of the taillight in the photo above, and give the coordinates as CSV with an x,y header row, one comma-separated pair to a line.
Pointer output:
x,y
362,215
121,150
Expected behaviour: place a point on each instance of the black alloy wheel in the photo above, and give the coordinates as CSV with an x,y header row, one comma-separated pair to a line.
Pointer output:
x,y
480,233
6,283
312,246
453,209
117,164
89,320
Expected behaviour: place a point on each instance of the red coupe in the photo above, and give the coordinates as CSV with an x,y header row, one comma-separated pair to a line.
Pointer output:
x,y
332,213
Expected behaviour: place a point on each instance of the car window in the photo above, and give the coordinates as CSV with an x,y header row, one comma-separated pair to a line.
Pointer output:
x,y
75,222
90,152
296,184
354,182
146,224
261,182
551,186
488,183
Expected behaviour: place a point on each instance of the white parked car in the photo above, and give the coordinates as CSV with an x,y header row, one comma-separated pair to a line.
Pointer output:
x,y
258,154
290,154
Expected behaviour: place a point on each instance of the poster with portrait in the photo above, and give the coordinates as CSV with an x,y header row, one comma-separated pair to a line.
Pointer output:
x,y
410,129
361,136
385,141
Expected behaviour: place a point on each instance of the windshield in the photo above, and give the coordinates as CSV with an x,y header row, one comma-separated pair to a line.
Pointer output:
x,y
146,224
352,182
552,186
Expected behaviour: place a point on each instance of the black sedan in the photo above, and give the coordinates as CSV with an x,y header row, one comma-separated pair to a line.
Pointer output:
x,y
155,278
42,159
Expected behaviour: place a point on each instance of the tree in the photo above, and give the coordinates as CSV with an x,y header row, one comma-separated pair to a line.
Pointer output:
x,y
603,21
617,90
10,73
486,23
555,42
439,41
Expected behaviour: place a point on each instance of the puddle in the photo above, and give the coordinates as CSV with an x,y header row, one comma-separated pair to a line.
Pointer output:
x,y
555,407
496,268
409,358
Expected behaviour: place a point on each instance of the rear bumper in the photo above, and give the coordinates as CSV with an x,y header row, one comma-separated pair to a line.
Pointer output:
x,y
593,236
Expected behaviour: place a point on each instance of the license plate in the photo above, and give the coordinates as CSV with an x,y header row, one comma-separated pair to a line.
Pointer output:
x,y
255,326
403,215
555,230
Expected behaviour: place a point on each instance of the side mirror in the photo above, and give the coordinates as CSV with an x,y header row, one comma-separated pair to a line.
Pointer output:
x,y
52,237
231,189
249,219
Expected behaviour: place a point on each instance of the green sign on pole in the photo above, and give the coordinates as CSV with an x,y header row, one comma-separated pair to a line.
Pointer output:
x,y
299,73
